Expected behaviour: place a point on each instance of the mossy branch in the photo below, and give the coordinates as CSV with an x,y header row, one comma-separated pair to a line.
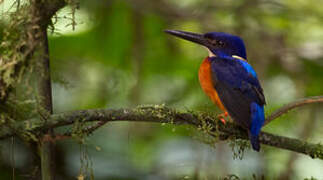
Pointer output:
x,y
161,114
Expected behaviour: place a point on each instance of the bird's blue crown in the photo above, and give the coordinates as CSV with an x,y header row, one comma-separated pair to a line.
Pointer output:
x,y
225,44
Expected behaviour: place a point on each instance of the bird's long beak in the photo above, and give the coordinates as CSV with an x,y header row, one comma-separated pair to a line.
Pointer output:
x,y
194,37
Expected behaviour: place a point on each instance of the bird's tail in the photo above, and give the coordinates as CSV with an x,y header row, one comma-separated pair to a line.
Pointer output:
x,y
254,140
257,120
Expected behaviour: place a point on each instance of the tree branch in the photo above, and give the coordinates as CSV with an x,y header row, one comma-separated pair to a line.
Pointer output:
x,y
160,114
286,108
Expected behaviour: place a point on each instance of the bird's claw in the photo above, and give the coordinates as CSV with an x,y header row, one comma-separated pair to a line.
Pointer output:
x,y
222,115
223,121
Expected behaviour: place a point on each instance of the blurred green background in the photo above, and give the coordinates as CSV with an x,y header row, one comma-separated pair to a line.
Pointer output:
x,y
118,56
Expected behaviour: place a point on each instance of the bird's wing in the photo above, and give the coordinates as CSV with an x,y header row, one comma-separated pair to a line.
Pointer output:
x,y
237,86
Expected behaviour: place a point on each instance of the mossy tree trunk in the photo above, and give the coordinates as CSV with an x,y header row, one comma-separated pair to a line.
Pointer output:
x,y
28,49
44,10
45,107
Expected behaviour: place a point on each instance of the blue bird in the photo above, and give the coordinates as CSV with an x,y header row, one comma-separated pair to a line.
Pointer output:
x,y
229,80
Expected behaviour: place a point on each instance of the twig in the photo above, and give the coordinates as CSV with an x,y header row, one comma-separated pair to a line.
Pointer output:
x,y
89,129
286,108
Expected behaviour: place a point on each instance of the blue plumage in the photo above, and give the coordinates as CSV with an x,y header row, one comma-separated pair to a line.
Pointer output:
x,y
248,67
236,83
240,92
238,75
234,80
231,45
257,120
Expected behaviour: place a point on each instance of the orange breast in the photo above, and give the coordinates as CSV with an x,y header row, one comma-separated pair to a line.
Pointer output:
x,y
206,83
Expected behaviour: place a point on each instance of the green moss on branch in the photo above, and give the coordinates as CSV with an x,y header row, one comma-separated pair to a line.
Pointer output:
x,y
161,114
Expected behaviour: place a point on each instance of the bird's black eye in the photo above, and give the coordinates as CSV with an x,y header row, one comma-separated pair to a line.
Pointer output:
x,y
217,43
220,43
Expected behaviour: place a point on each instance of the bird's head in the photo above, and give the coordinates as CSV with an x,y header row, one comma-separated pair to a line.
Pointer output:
x,y
218,43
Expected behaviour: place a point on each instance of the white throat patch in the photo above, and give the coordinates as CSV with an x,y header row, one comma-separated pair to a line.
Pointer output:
x,y
211,54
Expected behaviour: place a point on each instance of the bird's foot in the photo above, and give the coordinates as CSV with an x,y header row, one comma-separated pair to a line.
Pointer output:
x,y
222,116
223,121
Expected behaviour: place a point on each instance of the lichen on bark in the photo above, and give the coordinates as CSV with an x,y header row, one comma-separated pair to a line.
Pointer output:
x,y
16,48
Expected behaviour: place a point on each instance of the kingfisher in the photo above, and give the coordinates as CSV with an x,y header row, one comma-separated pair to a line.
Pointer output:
x,y
229,80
